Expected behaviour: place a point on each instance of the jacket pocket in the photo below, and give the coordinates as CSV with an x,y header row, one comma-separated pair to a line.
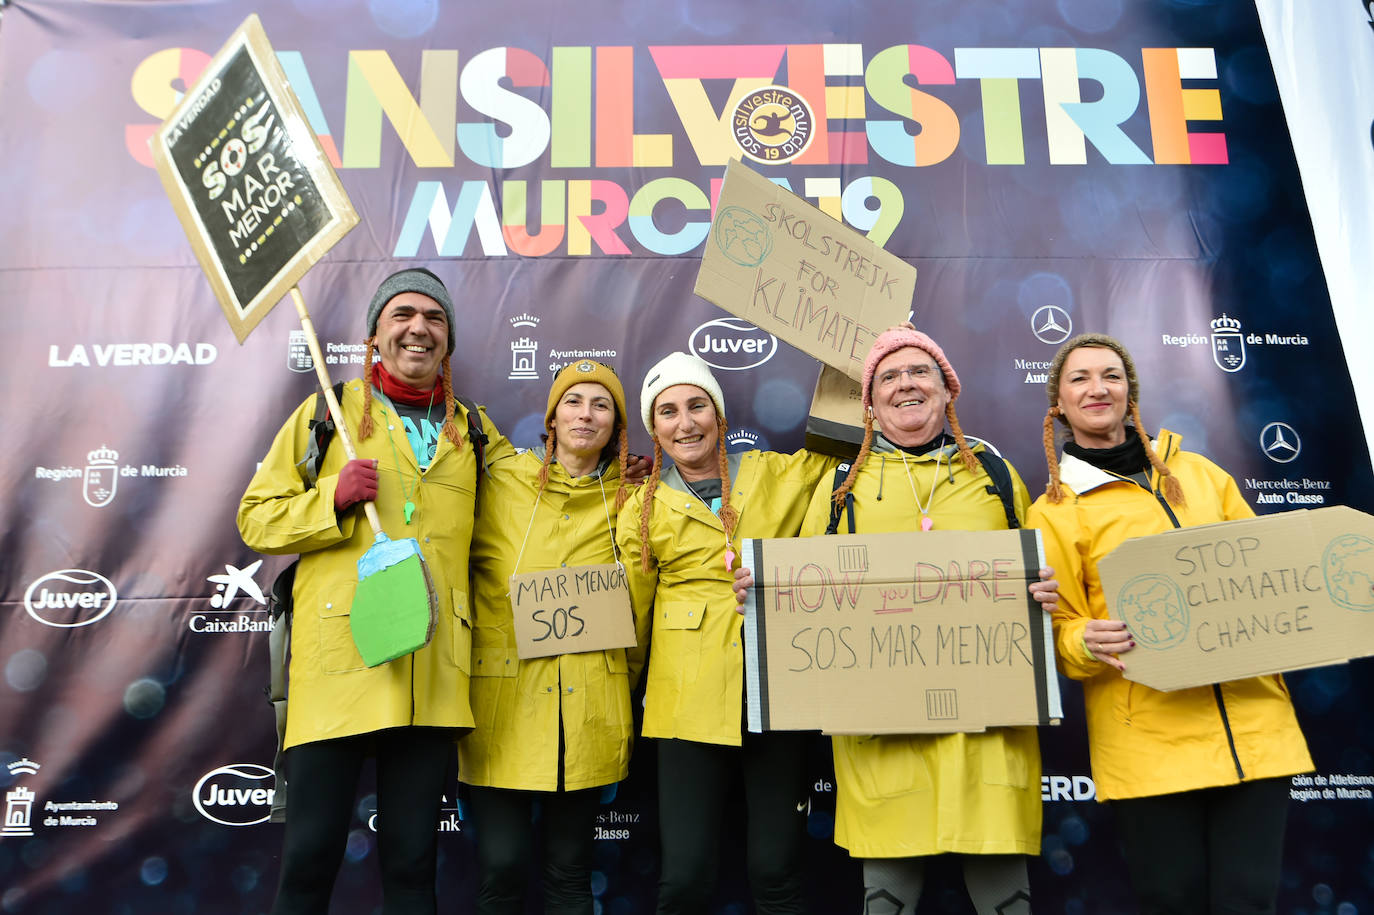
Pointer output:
x,y
462,630
615,661
888,766
680,614
1002,761
678,634
493,655
337,651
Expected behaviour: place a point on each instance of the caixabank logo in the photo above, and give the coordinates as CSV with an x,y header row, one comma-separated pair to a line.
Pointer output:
x,y
239,794
238,604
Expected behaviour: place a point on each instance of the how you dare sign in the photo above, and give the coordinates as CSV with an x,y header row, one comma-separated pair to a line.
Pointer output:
x,y
901,633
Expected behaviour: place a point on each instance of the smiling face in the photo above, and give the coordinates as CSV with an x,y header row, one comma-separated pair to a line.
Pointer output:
x,y
1093,392
909,396
412,338
583,420
686,426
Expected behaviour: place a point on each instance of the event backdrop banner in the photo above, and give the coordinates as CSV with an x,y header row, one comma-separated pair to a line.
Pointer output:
x,y
1048,167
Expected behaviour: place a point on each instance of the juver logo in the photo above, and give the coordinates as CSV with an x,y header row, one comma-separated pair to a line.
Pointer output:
x,y
239,794
69,598
732,344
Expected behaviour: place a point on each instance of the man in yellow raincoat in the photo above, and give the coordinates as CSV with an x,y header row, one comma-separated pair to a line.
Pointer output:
x,y
422,472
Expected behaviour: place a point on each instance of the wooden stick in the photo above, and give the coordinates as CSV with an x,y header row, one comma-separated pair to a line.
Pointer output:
x,y
322,373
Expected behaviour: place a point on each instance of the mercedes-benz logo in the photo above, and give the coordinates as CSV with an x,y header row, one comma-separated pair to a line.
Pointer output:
x,y
1280,442
1051,324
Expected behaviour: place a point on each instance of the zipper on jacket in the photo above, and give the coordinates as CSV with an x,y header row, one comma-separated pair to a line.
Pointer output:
x,y
1216,687
1226,725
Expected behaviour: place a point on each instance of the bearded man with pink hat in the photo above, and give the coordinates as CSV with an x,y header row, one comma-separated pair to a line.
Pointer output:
x,y
902,797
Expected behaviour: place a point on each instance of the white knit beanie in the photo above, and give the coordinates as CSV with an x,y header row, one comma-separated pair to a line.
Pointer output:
x,y
677,368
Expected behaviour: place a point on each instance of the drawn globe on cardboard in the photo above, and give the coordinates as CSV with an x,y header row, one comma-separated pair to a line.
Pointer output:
x,y
742,236
1348,564
1154,610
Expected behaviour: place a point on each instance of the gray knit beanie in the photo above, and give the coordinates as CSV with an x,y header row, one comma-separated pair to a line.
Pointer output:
x,y
412,279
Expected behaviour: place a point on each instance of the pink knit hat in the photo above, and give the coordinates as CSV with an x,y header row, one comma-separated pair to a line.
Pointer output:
x,y
897,337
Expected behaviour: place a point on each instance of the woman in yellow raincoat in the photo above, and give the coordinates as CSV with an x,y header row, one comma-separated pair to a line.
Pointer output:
x,y
1196,778
679,534
551,730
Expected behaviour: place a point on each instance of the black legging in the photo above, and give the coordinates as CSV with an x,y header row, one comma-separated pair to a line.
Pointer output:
x,y
1217,851
503,829
693,779
323,783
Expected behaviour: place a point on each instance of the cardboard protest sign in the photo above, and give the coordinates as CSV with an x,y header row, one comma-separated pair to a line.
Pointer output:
x,y
576,608
926,632
834,424
776,260
248,179
1242,598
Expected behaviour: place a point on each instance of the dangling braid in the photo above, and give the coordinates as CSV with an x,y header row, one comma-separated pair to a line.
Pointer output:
x,y
864,449
450,429
1173,490
650,486
1053,491
728,516
365,424
970,462
621,493
550,446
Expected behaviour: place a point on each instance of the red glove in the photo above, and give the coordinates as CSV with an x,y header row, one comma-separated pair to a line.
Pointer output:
x,y
357,483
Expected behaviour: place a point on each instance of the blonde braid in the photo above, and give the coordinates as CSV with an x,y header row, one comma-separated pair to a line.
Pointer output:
x,y
728,516
550,447
970,462
365,424
1173,490
450,429
649,487
621,493
1053,490
848,484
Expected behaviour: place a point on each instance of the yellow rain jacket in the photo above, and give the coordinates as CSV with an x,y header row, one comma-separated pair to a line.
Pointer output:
x,y
519,704
1142,741
695,687
331,693
905,795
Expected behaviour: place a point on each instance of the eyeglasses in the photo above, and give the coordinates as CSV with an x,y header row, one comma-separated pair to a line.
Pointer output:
x,y
917,373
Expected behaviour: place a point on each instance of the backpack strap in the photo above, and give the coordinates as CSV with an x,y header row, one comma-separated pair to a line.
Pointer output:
x,y
1001,485
279,601
279,611
322,428
479,447
993,464
841,472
